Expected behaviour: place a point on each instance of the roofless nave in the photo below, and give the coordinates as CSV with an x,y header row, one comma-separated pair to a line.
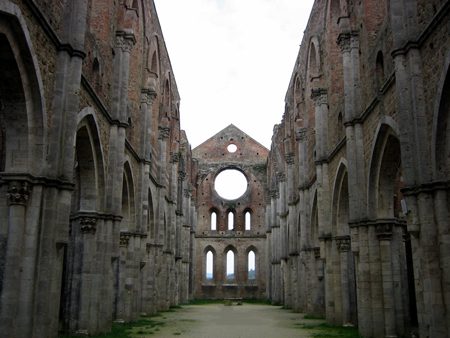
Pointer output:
x,y
109,214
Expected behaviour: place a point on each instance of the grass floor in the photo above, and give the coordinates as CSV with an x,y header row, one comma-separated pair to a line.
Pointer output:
x,y
151,325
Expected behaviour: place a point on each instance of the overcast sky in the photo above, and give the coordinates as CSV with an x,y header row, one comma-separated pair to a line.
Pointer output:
x,y
232,61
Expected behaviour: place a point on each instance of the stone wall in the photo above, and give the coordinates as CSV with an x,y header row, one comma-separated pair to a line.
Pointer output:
x,y
94,168
213,157
368,182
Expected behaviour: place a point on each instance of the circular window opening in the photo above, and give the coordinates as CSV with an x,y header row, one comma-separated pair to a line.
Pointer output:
x,y
230,184
232,148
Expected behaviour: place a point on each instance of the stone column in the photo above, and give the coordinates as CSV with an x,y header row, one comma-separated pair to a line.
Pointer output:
x,y
301,137
86,325
275,259
147,98
293,229
268,258
343,244
16,292
442,212
193,229
162,179
284,244
384,234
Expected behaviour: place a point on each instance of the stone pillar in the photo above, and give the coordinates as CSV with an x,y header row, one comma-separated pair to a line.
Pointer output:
x,y
343,244
193,222
16,292
284,244
442,212
301,137
86,324
162,179
293,228
268,258
384,234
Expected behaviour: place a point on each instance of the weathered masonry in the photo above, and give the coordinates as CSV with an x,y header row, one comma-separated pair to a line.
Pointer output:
x,y
358,172
230,231
107,214
96,214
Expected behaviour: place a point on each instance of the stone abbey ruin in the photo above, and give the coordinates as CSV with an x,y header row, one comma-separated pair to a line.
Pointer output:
x,y
107,213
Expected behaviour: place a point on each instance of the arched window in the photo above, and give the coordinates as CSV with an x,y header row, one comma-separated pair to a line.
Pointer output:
x,y
340,127
380,68
230,264
248,220
230,220
213,221
209,265
167,93
313,61
251,265
154,64
96,73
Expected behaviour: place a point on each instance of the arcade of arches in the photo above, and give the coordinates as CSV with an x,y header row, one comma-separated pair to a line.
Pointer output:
x,y
108,214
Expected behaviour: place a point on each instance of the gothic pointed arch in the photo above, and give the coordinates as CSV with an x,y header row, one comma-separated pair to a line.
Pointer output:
x,y
209,266
89,170
298,95
230,255
385,176
340,205
314,64
153,62
128,199
441,133
314,229
22,104
151,222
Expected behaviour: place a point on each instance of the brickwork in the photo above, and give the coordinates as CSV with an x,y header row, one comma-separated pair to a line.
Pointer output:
x,y
212,157
365,194
107,210
97,198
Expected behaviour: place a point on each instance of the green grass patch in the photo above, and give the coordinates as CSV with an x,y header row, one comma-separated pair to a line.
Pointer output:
x,y
205,301
312,317
256,301
306,326
329,331
128,330
188,320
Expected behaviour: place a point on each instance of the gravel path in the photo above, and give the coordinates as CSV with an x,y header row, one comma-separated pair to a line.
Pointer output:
x,y
220,321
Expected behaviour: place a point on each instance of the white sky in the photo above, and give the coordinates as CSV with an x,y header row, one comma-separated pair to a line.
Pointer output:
x,y
232,61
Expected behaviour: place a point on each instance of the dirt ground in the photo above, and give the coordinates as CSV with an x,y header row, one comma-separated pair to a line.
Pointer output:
x,y
220,321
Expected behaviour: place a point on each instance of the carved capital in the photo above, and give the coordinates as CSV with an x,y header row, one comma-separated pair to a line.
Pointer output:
x,y
174,157
18,193
319,96
148,96
347,41
281,177
124,238
343,243
300,134
88,224
182,175
274,193
384,231
317,252
187,193
290,158
125,40
164,133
